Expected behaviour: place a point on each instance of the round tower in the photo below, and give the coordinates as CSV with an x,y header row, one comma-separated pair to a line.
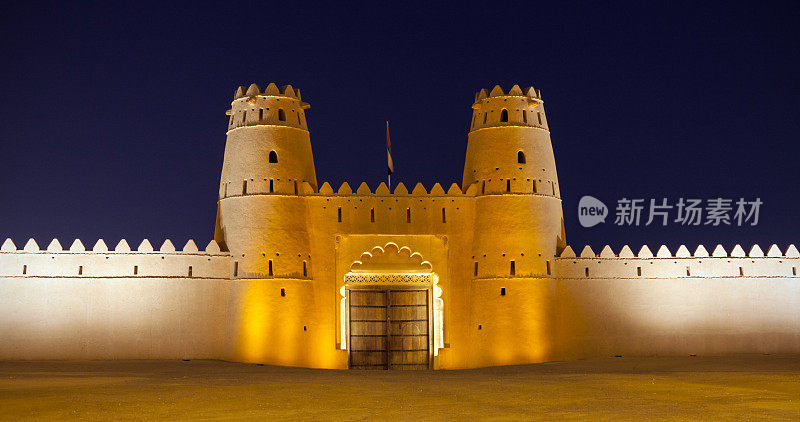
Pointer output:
x,y
261,220
518,224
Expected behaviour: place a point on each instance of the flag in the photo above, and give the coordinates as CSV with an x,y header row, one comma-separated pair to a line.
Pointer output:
x,y
389,163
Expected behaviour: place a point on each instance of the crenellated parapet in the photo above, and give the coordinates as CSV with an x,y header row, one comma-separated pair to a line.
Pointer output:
x,y
271,107
122,261
518,107
680,265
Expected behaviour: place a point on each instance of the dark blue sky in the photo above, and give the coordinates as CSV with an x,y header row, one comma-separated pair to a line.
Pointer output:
x,y
113,119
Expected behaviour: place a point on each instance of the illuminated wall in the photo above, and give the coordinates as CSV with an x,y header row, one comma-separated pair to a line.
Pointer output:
x,y
112,304
684,304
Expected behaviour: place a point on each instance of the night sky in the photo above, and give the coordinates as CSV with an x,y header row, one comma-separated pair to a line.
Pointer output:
x,y
113,119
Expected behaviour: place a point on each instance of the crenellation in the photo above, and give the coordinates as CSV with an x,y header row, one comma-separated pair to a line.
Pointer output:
x,y
122,246
54,246
31,246
683,252
100,246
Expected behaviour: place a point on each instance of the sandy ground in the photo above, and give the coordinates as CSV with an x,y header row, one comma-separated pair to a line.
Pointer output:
x,y
730,388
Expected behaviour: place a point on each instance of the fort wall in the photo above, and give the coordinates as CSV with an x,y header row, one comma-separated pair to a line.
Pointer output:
x,y
112,304
681,304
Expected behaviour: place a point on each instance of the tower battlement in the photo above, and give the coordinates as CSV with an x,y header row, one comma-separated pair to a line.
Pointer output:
x,y
530,92
496,108
270,107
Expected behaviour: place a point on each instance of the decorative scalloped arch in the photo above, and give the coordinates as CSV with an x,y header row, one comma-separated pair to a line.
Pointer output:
x,y
391,258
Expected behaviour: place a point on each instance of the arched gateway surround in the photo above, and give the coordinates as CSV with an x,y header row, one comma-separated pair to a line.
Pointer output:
x,y
391,310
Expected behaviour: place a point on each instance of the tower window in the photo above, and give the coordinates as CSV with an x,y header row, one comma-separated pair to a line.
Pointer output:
x,y
135,270
244,116
340,214
520,157
444,216
295,187
508,185
524,117
260,114
485,115
502,291
305,269
794,270
269,269
587,271
547,264
687,272
408,215
504,115
190,271
539,115
281,115
273,157
475,271
271,186
483,187
372,215
244,187
513,269
80,269
283,292
639,271
24,269
534,186
741,271
235,268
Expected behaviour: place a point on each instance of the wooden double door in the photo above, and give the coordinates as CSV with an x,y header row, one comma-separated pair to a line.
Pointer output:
x,y
389,329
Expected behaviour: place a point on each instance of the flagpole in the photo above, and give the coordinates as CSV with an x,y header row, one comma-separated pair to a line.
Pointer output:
x,y
389,157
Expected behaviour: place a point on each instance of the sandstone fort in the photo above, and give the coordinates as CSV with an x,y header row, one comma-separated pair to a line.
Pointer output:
x,y
443,277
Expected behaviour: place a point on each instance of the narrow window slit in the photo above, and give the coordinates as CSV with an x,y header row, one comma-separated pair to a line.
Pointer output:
x,y
270,268
513,268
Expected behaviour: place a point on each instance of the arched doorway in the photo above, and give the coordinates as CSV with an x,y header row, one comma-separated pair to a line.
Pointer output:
x,y
391,310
